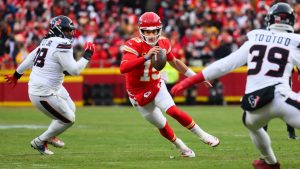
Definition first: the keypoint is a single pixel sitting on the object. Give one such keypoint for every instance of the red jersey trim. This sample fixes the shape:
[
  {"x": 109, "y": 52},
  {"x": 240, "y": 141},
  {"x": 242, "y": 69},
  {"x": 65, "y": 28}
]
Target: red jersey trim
[{"x": 64, "y": 46}]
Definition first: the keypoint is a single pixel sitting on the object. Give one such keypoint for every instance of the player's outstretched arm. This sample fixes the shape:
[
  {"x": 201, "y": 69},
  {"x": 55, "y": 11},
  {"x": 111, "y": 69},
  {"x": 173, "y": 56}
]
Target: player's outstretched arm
[
  {"x": 25, "y": 65},
  {"x": 70, "y": 65},
  {"x": 188, "y": 82},
  {"x": 215, "y": 70},
  {"x": 183, "y": 69}
]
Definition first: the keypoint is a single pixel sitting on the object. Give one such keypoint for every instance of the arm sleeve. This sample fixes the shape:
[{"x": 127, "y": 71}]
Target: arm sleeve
[
  {"x": 69, "y": 64},
  {"x": 129, "y": 62},
  {"x": 27, "y": 63},
  {"x": 227, "y": 64}
]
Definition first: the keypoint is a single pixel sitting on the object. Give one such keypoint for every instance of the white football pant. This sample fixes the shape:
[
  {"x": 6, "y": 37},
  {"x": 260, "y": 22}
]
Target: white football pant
[
  {"x": 60, "y": 108},
  {"x": 152, "y": 111},
  {"x": 283, "y": 106}
]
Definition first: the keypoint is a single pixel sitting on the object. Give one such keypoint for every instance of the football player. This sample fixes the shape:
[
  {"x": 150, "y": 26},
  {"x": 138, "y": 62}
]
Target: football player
[
  {"x": 270, "y": 56},
  {"x": 50, "y": 61},
  {"x": 147, "y": 92}
]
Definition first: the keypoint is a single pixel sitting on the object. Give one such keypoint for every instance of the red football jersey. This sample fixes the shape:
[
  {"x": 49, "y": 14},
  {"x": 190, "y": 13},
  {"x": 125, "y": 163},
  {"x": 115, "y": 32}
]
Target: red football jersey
[{"x": 144, "y": 77}]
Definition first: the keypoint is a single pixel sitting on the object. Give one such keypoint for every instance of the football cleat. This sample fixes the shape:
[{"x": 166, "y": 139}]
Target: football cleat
[
  {"x": 187, "y": 153},
  {"x": 293, "y": 136},
  {"x": 56, "y": 142},
  {"x": 261, "y": 164},
  {"x": 210, "y": 140},
  {"x": 41, "y": 146}
]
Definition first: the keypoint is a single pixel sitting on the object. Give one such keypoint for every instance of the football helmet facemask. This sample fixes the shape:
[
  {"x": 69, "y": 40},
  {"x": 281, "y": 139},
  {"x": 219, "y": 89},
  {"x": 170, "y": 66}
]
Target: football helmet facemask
[
  {"x": 61, "y": 26},
  {"x": 281, "y": 17},
  {"x": 150, "y": 21}
]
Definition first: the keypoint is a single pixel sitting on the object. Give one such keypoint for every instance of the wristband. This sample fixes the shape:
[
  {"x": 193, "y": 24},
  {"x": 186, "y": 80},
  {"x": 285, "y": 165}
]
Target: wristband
[
  {"x": 189, "y": 73},
  {"x": 146, "y": 57},
  {"x": 17, "y": 75}
]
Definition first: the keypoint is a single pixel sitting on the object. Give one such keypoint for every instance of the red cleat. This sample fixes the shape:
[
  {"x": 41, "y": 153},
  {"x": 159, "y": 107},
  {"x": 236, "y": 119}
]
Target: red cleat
[{"x": 261, "y": 164}]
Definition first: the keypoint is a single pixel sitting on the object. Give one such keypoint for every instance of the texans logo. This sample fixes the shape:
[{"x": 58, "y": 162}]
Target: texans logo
[{"x": 253, "y": 100}]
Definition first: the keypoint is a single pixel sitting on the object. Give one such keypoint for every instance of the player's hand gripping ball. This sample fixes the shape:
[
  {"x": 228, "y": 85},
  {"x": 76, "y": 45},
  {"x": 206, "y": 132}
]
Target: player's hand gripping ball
[{"x": 159, "y": 60}]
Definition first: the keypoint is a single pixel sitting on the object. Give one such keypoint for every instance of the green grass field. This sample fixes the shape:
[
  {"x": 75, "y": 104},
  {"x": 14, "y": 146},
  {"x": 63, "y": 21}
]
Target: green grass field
[{"x": 119, "y": 138}]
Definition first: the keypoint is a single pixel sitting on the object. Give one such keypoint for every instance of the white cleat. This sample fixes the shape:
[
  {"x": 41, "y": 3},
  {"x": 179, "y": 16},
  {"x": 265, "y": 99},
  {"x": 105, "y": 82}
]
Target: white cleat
[
  {"x": 56, "y": 142},
  {"x": 187, "y": 153},
  {"x": 41, "y": 146},
  {"x": 210, "y": 140}
]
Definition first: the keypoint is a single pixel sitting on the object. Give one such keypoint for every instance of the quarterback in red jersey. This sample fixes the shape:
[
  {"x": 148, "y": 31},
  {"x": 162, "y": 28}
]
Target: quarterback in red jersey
[{"x": 147, "y": 91}]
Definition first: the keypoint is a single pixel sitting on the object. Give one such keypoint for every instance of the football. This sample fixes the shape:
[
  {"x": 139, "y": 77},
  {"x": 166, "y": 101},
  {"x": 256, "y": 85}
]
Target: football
[{"x": 159, "y": 61}]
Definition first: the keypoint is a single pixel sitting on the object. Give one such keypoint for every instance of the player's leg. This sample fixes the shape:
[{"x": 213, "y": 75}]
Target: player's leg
[
  {"x": 292, "y": 115},
  {"x": 153, "y": 115},
  {"x": 255, "y": 121},
  {"x": 63, "y": 117},
  {"x": 62, "y": 93},
  {"x": 291, "y": 132},
  {"x": 165, "y": 102}
]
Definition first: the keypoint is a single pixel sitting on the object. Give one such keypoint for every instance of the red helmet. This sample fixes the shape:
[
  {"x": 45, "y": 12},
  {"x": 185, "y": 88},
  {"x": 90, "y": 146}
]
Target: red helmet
[{"x": 150, "y": 21}]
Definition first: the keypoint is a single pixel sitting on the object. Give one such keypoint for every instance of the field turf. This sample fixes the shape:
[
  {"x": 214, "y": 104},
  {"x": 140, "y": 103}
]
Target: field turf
[{"x": 118, "y": 137}]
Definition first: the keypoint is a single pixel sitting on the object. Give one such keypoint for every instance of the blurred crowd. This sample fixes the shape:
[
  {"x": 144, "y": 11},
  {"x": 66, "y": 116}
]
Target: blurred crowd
[{"x": 200, "y": 31}]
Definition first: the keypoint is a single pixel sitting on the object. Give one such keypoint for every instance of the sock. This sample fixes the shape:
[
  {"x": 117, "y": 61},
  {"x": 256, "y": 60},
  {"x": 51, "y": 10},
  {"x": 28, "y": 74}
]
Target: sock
[
  {"x": 168, "y": 132},
  {"x": 262, "y": 142},
  {"x": 179, "y": 144},
  {"x": 198, "y": 131},
  {"x": 183, "y": 118},
  {"x": 55, "y": 128}
]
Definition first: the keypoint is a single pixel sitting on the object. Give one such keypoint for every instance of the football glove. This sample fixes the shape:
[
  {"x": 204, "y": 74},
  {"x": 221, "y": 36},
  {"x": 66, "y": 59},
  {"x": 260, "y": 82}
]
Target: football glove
[
  {"x": 13, "y": 79},
  {"x": 89, "y": 49}
]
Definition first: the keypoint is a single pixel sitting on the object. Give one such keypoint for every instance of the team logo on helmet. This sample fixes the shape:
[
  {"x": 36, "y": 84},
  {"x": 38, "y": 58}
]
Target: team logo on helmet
[{"x": 57, "y": 22}]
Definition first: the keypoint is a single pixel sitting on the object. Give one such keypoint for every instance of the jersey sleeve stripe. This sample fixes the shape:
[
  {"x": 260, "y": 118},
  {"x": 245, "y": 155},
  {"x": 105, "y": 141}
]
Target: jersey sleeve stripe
[
  {"x": 129, "y": 49},
  {"x": 169, "y": 50},
  {"x": 64, "y": 46}
]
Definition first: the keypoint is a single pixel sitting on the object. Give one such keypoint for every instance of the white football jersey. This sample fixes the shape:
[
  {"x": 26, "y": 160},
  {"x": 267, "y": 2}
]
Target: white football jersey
[
  {"x": 48, "y": 62},
  {"x": 270, "y": 57}
]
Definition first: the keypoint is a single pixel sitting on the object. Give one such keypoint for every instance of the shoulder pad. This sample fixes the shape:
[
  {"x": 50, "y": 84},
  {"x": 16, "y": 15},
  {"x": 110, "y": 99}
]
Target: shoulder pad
[
  {"x": 133, "y": 45},
  {"x": 251, "y": 33},
  {"x": 61, "y": 43}
]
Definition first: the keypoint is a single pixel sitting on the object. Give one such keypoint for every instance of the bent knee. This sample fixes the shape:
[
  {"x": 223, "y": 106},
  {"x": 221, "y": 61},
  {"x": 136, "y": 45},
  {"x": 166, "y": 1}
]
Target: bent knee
[{"x": 70, "y": 119}]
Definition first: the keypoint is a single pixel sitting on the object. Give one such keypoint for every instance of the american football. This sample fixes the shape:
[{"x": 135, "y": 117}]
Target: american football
[{"x": 159, "y": 61}]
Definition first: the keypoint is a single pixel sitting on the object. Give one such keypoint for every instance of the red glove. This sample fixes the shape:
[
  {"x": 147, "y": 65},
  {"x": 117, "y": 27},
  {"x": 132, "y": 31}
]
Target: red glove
[
  {"x": 89, "y": 49},
  {"x": 188, "y": 82},
  {"x": 10, "y": 79}
]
